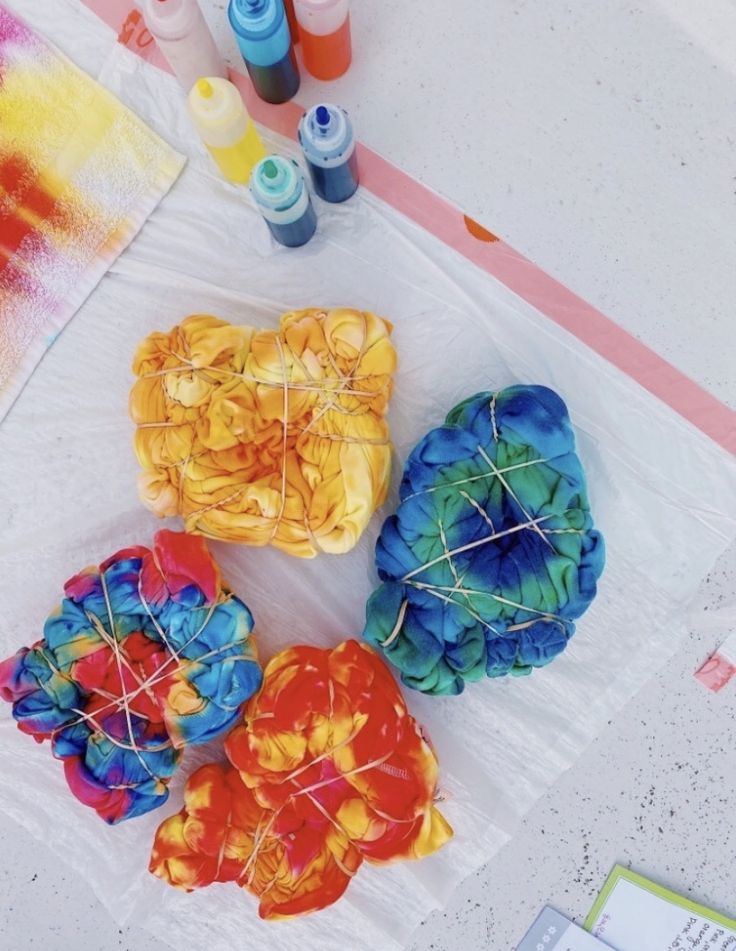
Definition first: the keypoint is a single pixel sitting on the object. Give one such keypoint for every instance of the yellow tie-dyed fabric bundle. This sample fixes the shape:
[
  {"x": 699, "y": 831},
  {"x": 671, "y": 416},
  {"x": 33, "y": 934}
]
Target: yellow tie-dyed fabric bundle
[{"x": 264, "y": 436}]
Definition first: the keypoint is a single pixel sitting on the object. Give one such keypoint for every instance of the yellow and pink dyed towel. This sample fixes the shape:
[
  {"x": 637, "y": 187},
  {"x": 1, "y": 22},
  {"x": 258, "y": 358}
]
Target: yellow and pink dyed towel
[{"x": 79, "y": 175}]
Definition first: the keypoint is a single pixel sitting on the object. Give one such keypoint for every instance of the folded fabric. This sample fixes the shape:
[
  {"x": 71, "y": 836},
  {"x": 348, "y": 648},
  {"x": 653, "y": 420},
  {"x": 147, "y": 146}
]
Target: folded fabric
[
  {"x": 264, "y": 436},
  {"x": 492, "y": 553},
  {"x": 79, "y": 174},
  {"x": 146, "y": 654},
  {"x": 327, "y": 770}
]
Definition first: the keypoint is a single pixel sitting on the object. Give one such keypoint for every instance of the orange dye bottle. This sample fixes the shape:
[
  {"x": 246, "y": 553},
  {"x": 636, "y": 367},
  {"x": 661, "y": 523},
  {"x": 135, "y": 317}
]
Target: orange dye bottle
[{"x": 324, "y": 33}]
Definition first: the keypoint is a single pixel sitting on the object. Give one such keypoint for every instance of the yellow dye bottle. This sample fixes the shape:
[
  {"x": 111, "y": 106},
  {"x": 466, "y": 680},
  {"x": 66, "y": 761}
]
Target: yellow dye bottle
[{"x": 227, "y": 130}]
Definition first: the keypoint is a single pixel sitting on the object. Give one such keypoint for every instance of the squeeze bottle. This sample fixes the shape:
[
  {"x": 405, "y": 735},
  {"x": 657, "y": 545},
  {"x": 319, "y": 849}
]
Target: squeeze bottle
[
  {"x": 184, "y": 38},
  {"x": 262, "y": 32},
  {"x": 282, "y": 197},
  {"x": 218, "y": 114},
  {"x": 324, "y": 32},
  {"x": 327, "y": 141}
]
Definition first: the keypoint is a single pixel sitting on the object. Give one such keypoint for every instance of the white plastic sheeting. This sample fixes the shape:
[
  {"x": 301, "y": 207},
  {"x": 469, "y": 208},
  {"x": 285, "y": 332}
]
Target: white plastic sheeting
[{"x": 663, "y": 494}]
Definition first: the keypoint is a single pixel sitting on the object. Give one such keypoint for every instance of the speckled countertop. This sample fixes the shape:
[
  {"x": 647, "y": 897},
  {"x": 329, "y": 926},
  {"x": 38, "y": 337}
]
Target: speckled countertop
[{"x": 598, "y": 139}]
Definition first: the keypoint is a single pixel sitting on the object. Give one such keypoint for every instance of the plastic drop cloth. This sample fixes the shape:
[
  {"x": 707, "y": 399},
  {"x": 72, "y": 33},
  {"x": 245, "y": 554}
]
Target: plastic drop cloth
[{"x": 662, "y": 493}]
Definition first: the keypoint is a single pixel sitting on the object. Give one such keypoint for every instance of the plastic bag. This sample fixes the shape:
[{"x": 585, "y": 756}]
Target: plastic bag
[{"x": 663, "y": 494}]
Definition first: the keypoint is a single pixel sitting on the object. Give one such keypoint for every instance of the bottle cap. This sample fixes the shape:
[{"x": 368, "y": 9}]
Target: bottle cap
[
  {"x": 325, "y": 133},
  {"x": 169, "y": 19},
  {"x": 276, "y": 182},
  {"x": 256, "y": 19},
  {"x": 215, "y": 103},
  {"x": 321, "y": 17},
  {"x": 317, "y": 6}
]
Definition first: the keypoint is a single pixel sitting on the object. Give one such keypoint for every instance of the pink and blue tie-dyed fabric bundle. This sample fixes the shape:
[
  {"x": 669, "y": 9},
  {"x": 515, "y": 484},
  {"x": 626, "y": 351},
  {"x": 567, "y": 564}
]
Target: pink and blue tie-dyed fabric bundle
[{"x": 146, "y": 654}]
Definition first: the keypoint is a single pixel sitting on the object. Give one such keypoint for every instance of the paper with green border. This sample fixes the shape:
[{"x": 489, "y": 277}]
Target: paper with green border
[{"x": 632, "y": 914}]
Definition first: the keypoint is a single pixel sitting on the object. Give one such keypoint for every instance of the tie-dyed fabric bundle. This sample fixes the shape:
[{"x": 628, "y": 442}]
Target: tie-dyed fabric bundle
[
  {"x": 264, "y": 436},
  {"x": 79, "y": 174},
  {"x": 327, "y": 770},
  {"x": 492, "y": 553},
  {"x": 147, "y": 653}
]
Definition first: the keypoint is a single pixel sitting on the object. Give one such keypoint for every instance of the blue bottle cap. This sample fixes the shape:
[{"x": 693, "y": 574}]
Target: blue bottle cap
[
  {"x": 256, "y": 19},
  {"x": 325, "y": 133}
]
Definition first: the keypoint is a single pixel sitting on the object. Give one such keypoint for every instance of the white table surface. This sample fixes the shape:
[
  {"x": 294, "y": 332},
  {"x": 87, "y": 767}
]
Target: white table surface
[{"x": 598, "y": 139}]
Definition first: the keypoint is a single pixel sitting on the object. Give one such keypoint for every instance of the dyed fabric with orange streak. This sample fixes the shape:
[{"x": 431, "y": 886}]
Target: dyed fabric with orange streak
[
  {"x": 328, "y": 769},
  {"x": 267, "y": 436}
]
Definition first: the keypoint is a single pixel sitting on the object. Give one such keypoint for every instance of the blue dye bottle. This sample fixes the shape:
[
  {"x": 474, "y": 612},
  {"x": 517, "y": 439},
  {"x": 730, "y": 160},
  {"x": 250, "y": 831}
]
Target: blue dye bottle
[
  {"x": 262, "y": 31},
  {"x": 327, "y": 141},
  {"x": 281, "y": 194}
]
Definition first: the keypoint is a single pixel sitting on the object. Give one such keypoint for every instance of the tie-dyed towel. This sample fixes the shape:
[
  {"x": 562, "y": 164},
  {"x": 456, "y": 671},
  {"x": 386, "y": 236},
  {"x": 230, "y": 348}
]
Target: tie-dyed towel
[{"x": 79, "y": 174}]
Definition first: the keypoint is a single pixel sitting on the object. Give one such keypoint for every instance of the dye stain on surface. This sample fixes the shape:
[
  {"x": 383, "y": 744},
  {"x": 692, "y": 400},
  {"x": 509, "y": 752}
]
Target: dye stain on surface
[{"x": 478, "y": 231}]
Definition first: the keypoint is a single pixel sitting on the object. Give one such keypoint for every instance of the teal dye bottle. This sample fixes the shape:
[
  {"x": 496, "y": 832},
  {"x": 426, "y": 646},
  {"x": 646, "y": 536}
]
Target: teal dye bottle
[{"x": 282, "y": 196}]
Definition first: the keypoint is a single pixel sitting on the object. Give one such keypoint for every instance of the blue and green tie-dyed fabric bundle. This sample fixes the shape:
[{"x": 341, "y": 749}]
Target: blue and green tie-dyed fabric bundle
[{"x": 492, "y": 554}]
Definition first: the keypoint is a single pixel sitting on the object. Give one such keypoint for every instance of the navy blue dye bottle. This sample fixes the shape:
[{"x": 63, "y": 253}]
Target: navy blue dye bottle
[
  {"x": 262, "y": 31},
  {"x": 328, "y": 143}
]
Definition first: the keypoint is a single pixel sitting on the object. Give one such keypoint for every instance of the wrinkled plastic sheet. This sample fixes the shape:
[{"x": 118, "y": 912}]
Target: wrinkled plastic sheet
[{"x": 663, "y": 494}]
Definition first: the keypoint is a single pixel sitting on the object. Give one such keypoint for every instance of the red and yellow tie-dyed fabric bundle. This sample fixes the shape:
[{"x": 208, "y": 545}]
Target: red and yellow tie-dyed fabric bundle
[
  {"x": 267, "y": 436},
  {"x": 327, "y": 770}
]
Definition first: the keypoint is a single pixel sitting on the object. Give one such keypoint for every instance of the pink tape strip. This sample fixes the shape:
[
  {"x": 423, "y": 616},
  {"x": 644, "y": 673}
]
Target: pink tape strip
[
  {"x": 716, "y": 672},
  {"x": 720, "y": 667},
  {"x": 495, "y": 257}
]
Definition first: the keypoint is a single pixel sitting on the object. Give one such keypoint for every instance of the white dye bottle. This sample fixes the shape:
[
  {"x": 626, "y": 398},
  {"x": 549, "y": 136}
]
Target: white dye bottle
[{"x": 184, "y": 38}]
